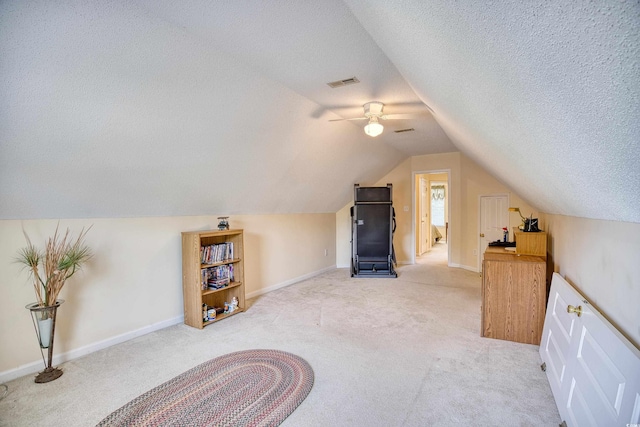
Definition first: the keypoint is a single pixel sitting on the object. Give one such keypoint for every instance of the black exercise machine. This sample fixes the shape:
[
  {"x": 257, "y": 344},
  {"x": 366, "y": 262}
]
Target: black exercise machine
[{"x": 372, "y": 225}]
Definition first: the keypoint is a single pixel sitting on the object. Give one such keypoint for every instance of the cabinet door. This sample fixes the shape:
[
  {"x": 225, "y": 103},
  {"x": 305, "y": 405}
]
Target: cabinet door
[{"x": 513, "y": 300}]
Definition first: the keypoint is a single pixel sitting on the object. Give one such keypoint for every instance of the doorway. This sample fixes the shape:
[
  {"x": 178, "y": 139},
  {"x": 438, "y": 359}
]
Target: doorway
[{"x": 431, "y": 214}]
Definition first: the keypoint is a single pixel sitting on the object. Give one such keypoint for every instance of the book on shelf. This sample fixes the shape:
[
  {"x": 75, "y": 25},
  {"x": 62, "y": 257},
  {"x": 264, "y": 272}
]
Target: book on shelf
[
  {"x": 217, "y": 277},
  {"x": 220, "y": 252}
]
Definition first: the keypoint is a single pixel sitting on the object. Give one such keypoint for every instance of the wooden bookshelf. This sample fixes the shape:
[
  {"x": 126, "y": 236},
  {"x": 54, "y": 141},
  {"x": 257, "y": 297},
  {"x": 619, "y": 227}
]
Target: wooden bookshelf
[
  {"x": 192, "y": 267},
  {"x": 211, "y": 291}
]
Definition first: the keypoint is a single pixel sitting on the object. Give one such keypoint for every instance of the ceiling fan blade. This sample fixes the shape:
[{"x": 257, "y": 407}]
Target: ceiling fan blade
[
  {"x": 400, "y": 116},
  {"x": 357, "y": 118}
]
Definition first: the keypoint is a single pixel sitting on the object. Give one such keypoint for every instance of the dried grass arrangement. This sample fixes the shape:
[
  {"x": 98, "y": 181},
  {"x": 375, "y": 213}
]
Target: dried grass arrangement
[{"x": 62, "y": 258}]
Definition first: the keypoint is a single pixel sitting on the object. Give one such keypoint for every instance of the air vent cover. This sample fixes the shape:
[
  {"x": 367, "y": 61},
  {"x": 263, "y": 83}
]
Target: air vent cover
[
  {"x": 345, "y": 82},
  {"x": 404, "y": 130}
]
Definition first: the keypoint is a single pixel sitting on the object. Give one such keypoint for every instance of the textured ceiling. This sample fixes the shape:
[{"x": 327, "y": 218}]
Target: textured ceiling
[
  {"x": 545, "y": 95},
  {"x": 152, "y": 108}
]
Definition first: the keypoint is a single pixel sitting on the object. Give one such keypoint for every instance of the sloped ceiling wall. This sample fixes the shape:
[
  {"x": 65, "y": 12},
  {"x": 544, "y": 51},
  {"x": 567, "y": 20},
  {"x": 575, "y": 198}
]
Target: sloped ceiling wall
[
  {"x": 545, "y": 95},
  {"x": 112, "y": 109},
  {"x": 108, "y": 111}
]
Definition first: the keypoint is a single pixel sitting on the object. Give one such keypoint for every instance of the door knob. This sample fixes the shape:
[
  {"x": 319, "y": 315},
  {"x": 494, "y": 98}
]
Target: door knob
[
  {"x": 577, "y": 310},
  {"x": 481, "y": 234}
]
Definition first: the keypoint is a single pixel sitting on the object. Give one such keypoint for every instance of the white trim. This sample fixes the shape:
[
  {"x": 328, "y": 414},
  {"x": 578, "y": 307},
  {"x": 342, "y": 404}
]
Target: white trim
[
  {"x": 289, "y": 282},
  {"x": 37, "y": 366},
  {"x": 465, "y": 267},
  {"x": 33, "y": 367}
]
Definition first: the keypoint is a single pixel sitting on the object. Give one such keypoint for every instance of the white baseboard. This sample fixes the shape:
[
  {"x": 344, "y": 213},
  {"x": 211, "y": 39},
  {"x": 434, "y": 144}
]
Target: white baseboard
[
  {"x": 37, "y": 366},
  {"x": 32, "y": 368},
  {"x": 288, "y": 282},
  {"x": 465, "y": 267}
]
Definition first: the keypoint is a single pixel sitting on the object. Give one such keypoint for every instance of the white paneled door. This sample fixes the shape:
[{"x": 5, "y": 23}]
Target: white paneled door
[
  {"x": 494, "y": 215},
  {"x": 593, "y": 370}
]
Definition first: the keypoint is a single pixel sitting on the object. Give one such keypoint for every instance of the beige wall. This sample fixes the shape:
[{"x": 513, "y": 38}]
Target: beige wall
[
  {"x": 476, "y": 181},
  {"x": 467, "y": 182},
  {"x": 134, "y": 279},
  {"x": 400, "y": 177},
  {"x": 602, "y": 260},
  {"x": 402, "y": 182},
  {"x": 451, "y": 163},
  {"x": 343, "y": 237}
]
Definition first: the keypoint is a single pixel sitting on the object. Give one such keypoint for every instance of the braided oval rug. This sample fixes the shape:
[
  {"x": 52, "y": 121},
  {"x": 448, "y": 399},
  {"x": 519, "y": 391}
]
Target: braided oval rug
[{"x": 246, "y": 388}]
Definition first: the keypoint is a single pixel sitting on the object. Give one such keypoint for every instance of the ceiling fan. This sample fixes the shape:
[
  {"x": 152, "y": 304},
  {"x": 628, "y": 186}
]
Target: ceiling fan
[{"x": 373, "y": 111}]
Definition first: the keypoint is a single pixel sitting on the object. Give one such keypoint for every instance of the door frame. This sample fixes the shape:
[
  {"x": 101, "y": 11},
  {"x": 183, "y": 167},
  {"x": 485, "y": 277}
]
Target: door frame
[
  {"x": 425, "y": 237},
  {"x": 479, "y": 227},
  {"x": 414, "y": 205}
]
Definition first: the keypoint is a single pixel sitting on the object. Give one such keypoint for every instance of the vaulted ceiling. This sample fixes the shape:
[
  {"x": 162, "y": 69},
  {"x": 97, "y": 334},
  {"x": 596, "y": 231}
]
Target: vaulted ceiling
[{"x": 154, "y": 108}]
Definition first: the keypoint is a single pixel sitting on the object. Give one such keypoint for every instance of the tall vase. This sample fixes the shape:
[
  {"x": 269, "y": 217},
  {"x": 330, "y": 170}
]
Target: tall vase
[{"x": 44, "y": 322}]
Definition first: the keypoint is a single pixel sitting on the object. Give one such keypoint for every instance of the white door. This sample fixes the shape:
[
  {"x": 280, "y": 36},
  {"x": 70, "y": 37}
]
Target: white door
[
  {"x": 425, "y": 230},
  {"x": 593, "y": 371},
  {"x": 494, "y": 215}
]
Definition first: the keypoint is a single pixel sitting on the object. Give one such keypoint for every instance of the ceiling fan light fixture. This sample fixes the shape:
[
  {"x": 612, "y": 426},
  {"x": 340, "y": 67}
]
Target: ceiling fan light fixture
[
  {"x": 373, "y": 109},
  {"x": 374, "y": 128}
]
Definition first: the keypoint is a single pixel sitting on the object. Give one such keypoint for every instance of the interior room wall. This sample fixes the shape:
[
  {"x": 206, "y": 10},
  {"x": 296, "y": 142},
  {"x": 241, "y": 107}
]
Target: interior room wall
[
  {"x": 343, "y": 236},
  {"x": 476, "y": 181},
  {"x": 451, "y": 163},
  {"x": 400, "y": 177},
  {"x": 600, "y": 259},
  {"x": 467, "y": 180},
  {"x": 134, "y": 280}
]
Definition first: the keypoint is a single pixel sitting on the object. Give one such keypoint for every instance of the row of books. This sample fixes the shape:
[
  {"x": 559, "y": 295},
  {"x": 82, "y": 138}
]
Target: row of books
[
  {"x": 217, "y": 277},
  {"x": 216, "y": 253}
]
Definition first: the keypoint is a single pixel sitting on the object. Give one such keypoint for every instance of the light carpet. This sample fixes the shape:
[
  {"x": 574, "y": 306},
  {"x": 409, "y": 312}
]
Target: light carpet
[{"x": 385, "y": 352}]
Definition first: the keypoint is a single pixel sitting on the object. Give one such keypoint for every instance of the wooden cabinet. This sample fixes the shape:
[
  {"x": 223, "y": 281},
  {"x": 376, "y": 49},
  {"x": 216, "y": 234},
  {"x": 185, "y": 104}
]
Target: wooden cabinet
[
  {"x": 195, "y": 273},
  {"x": 531, "y": 243},
  {"x": 514, "y": 294}
]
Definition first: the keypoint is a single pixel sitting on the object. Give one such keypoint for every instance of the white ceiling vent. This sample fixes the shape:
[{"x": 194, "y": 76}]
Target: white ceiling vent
[
  {"x": 404, "y": 130},
  {"x": 345, "y": 82}
]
